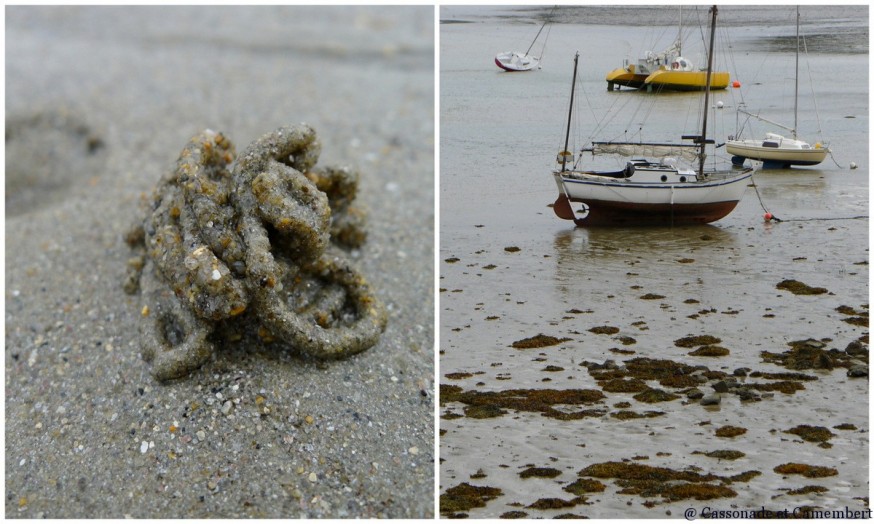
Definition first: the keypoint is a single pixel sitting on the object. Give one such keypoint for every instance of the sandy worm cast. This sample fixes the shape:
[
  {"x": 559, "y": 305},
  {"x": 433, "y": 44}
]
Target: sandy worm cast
[{"x": 253, "y": 242}]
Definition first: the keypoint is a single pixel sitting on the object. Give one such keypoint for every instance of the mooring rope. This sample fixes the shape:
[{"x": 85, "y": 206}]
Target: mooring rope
[
  {"x": 770, "y": 216},
  {"x": 832, "y": 155}
]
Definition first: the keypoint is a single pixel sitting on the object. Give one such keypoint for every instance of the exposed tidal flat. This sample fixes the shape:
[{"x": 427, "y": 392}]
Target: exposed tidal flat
[{"x": 638, "y": 372}]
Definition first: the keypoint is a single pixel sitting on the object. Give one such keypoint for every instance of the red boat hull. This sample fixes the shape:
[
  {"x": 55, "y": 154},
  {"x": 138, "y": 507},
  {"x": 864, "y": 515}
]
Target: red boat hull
[{"x": 602, "y": 213}]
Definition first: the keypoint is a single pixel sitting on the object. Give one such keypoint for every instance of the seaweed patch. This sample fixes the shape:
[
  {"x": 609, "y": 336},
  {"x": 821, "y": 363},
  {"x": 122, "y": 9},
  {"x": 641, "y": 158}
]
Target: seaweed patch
[
  {"x": 694, "y": 341},
  {"x": 806, "y": 470},
  {"x": 488, "y": 404},
  {"x": 554, "y": 503},
  {"x": 538, "y": 341},
  {"x": 722, "y": 454},
  {"x": 730, "y": 431},
  {"x": 710, "y": 351},
  {"x": 548, "y": 473},
  {"x": 811, "y": 433},
  {"x": 251, "y": 245},
  {"x": 582, "y": 485},
  {"x": 652, "y": 481},
  {"x": 812, "y": 354},
  {"x": 800, "y": 288},
  {"x": 464, "y": 497},
  {"x": 807, "y": 489},
  {"x": 653, "y": 395}
]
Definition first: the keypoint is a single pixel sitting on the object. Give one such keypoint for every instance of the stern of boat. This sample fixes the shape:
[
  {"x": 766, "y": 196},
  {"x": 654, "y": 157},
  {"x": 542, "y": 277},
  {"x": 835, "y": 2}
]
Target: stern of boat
[{"x": 562, "y": 205}]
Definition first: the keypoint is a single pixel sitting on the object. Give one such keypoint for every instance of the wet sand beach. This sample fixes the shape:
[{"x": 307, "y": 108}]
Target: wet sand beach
[
  {"x": 646, "y": 372},
  {"x": 100, "y": 102}
]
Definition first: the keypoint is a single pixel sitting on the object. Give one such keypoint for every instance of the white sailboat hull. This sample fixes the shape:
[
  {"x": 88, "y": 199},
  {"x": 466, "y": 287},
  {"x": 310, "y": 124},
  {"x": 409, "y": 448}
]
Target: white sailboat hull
[
  {"x": 515, "y": 61},
  {"x": 644, "y": 199},
  {"x": 776, "y": 149}
]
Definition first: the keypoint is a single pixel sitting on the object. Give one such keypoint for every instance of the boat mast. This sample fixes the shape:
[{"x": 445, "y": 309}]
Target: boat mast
[
  {"x": 570, "y": 112},
  {"x": 797, "y": 52},
  {"x": 703, "y": 139},
  {"x": 538, "y": 32}
]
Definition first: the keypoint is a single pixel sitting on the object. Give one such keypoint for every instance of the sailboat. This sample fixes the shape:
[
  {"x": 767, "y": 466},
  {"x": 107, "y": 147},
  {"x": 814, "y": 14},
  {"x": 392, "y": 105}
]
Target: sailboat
[
  {"x": 516, "y": 61},
  {"x": 666, "y": 71},
  {"x": 647, "y": 192},
  {"x": 777, "y": 151}
]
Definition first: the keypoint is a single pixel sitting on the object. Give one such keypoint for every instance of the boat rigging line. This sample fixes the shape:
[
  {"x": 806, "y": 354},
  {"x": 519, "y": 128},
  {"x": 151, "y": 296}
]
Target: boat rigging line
[
  {"x": 768, "y": 216},
  {"x": 546, "y": 23}
]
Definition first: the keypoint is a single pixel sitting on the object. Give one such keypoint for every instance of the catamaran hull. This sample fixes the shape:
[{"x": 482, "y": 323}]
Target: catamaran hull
[
  {"x": 621, "y": 204},
  {"x": 622, "y": 77},
  {"x": 669, "y": 80},
  {"x": 775, "y": 155}
]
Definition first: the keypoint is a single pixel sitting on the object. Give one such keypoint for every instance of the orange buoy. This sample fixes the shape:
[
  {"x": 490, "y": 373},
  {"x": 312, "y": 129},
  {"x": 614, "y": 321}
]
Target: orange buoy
[
  {"x": 768, "y": 217},
  {"x": 735, "y": 84}
]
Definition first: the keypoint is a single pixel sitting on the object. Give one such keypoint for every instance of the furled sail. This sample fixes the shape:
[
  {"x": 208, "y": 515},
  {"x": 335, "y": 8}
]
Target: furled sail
[
  {"x": 687, "y": 152},
  {"x": 665, "y": 57}
]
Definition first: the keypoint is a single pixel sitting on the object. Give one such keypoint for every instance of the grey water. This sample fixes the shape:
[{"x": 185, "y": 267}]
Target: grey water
[{"x": 499, "y": 135}]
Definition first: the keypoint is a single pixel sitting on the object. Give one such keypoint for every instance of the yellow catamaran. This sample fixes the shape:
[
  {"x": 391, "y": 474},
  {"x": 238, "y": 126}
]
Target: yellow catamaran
[{"x": 666, "y": 71}]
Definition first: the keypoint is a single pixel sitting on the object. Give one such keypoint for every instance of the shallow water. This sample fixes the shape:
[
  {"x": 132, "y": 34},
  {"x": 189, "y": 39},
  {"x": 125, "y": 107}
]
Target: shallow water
[{"x": 499, "y": 136}]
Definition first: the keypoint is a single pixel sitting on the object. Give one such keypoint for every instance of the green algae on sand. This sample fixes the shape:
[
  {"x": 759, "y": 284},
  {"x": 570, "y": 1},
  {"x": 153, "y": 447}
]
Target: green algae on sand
[
  {"x": 604, "y": 330},
  {"x": 582, "y": 486},
  {"x": 783, "y": 386},
  {"x": 692, "y": 341},
  {"x": 652, "y": 481},
  {"x": 800, "y": 288},
  {"x": 486, "y": 404},
  {"x": 807, "y": 489},
  {"x": 631, "y": 471},
  {"x": 619, "y": 385},
  {"x": 484, "y": 412},
  {"x": 711, "y": 350},
  {"x": 449, "y": 393},
  {"x": 811, "y": 433},
  {"x": 538, "y": 341},
  {"x": 812, "y": 354},
  {"x": 854, "y": 317},
  {"x": 631, "y": 415},
  {"x": 730, "y": 431},
  {"x": 806, "y": 470},
  {"x": 722, "y": 454},
  {"x": 653, "y": 395},
  {"x": 548, "y": 473},
  {"x": 555, "y": 503},
  {"x": 465, "y": 497}
]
